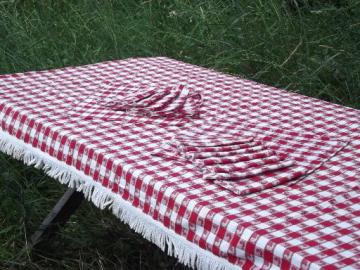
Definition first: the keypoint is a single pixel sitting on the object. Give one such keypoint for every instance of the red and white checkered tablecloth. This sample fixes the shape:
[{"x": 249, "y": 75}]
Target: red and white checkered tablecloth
[{"x": 309, "y": 223}]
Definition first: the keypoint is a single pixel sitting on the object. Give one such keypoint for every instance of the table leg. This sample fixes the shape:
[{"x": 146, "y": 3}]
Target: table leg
[{"x": 58, "y": 216}]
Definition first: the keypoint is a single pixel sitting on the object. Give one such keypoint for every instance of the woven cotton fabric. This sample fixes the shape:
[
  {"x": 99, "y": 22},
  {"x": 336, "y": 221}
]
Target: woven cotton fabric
[
  {"x": 310, "y": 223},
  {"x": 251, "y": 161},
  {"x": 172, "y": 105}
]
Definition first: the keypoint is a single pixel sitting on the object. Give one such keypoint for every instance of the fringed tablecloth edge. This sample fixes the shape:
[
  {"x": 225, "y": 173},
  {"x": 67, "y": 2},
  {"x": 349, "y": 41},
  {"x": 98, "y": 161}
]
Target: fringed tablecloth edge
[{"x": 177, "y": 246}]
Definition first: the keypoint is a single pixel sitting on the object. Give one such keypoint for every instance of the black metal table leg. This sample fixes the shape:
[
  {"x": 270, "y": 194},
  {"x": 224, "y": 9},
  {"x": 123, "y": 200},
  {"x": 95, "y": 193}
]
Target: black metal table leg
[
  {"x": 56, "y": 219},
  {"x": 58, "y": 216}
]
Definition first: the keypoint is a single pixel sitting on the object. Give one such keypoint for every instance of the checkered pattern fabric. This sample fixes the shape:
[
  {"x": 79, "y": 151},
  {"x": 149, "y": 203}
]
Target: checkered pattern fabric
[
  {"x": 312, "y": 223},
  {"x": 259, "y": 160},
  {"x": 173, "y": 105}
]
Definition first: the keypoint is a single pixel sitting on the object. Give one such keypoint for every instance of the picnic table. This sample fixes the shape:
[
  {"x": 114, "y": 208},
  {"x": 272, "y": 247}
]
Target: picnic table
[{"x": 180, "y": 177}]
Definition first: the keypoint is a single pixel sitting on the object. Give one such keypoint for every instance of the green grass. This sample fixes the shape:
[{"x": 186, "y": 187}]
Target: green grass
[{"x": 299, "y": 45}]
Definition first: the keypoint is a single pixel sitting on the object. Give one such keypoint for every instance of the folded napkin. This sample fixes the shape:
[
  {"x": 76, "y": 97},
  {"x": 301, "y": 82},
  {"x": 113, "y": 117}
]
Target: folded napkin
[
  {"x": 247, "y": 164},
  {"x": 179, "y": 101},
  {"x": 306, "y": 151},
  {"x": 173, "y": 105}
]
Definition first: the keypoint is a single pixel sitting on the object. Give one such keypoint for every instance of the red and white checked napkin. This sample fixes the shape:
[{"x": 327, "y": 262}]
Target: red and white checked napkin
[
  {"x": 173, "y": 103},
  {"x": 247, "y": 164}
]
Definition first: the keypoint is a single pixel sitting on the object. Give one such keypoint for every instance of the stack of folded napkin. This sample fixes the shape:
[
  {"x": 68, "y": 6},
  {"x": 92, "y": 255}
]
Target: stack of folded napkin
[
  {"x": 247, "y": 164},
  {"x": 117, "y": 101},
  {"x": 225, "y": 158},
  {"x": 179, "y": 101}
]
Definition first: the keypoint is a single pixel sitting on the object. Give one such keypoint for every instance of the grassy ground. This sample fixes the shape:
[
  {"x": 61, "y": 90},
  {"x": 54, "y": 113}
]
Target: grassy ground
[{"x": 299, "y": 45}]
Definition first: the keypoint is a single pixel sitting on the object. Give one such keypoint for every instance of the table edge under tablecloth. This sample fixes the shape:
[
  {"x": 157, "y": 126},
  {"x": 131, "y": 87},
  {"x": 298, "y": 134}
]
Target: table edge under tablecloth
[
  {"x": 97, "y": 199},
  {"x": 154, "y": 231},
  {"x": 101, "y": 200}
]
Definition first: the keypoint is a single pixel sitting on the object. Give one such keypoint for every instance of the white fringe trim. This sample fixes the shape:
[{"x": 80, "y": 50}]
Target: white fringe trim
[{"x": 186, "y": 252}]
